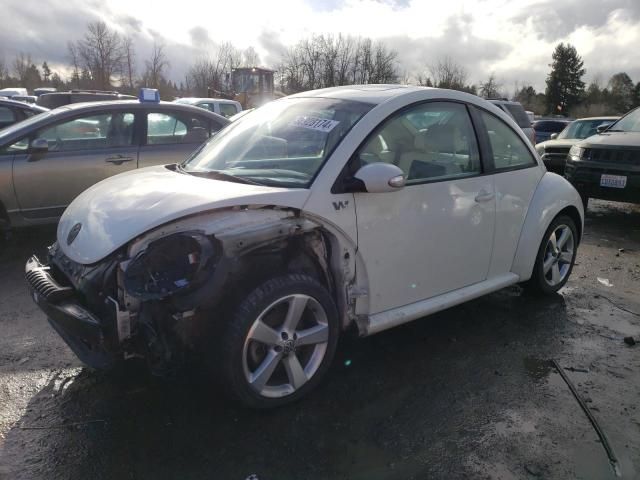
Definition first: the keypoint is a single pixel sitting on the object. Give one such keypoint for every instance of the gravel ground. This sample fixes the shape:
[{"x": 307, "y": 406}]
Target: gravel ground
[{"x": 468, "y": 393}]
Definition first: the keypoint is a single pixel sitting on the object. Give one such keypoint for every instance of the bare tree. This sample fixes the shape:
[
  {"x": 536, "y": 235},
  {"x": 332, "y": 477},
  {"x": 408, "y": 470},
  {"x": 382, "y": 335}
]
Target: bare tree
[
  {"x": 490, "y": 88},
  {"x": 156, "y": 65},
  {"x": 446, "y": 73},
  {"x": 212, "y": 73},
  {"x": 128, "y": 62},
  {"x": 75, "y": 62},
  {"x": 21, "y": 65},
  {"x": 327, "y": 61},
  {"x": 250, "y": 58},
  {"x": 100, "y": 53}
]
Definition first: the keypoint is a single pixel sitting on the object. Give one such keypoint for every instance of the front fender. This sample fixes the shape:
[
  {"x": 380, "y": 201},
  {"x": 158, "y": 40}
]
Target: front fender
[{"x": 552, "y": 195}]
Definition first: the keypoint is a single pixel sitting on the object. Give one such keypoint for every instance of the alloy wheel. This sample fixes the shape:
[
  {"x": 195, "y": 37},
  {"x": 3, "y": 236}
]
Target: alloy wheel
[
  {"x": 285, "y": 345},
  {"x": 558, "y": 255}
]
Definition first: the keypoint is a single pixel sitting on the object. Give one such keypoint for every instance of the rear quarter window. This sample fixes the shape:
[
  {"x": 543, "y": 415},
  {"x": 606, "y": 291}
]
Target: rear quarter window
[{"x": 519, "y": 115}]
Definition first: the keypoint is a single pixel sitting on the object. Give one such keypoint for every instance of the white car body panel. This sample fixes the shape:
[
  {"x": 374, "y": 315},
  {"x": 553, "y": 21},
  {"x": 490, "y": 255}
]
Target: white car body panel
[
  {"x": 553, "y": 194},
  {"x": 425, "y": 240},
  {"x": 514, "y": 191},
  {"x": 120, "y": 208}
]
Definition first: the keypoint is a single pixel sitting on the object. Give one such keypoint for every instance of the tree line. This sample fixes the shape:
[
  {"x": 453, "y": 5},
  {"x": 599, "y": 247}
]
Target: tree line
[{"x": 103, "y": 59}]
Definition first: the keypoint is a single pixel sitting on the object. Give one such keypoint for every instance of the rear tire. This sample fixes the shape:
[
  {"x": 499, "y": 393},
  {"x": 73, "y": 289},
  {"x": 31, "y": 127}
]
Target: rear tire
[
  {"x": 280, "y": 342},
  {"x": 556, "y": 256}
]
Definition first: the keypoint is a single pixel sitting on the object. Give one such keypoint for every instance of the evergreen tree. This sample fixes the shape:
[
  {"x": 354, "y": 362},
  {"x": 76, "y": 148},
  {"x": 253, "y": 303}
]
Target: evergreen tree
[
  {"x": 565, "y": 87},
  {"x": 46, "y": 73}
]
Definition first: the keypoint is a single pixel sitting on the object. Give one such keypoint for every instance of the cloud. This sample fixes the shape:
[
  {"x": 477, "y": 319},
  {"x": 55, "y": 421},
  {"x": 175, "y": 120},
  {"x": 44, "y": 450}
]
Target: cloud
[{"x": 553, "y": 20}]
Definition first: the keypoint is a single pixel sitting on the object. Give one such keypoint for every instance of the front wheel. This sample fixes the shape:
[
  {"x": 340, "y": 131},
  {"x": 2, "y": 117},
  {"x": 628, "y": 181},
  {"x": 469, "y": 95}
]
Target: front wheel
[
  {"x": 556, "y": 256},
  {"x": 280, "y": 342}
]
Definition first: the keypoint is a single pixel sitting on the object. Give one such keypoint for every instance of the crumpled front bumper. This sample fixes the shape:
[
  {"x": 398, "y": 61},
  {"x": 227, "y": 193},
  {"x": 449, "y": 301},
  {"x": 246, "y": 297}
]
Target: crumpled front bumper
[{"x": 78, "y": 327}]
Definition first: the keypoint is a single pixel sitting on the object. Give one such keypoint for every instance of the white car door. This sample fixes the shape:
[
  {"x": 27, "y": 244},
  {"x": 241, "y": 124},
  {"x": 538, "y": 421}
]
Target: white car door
[
  {"x": 516, "y": 176},
  {"x": 436, "y": 234}
]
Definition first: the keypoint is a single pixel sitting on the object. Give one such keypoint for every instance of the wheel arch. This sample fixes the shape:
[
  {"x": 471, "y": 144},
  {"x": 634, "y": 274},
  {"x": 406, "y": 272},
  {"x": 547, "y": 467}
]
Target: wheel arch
[{"x": 553, "y": 196}]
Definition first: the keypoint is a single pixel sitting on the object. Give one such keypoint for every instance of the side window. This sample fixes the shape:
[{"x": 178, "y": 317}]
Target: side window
[
  {"x": 431, "y": 141},
  {"x": 106, "y": 130},
  {"x": 20, "y": 146},
  {"x": 509, "y": 150},
  {"x": 7, "y": 116},
  {"x": 163, "y": 128},
  {"x": 228, "y": 109}
]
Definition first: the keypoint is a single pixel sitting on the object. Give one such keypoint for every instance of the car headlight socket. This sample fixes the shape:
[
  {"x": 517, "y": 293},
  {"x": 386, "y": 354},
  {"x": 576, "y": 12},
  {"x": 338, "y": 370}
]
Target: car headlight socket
[
  {"x": 173, "y": 264},
  {"x": 575, "y": 153}
]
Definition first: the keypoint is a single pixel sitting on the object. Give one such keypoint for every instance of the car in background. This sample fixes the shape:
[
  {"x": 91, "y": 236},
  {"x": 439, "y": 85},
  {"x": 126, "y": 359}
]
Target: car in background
[
  {"x": 25, "y": 98},
  {"x": 317, "y": 213},
  {"x": 554, "y": 151},
  {"x": 12, "y": 111},
  {"x": 607, "y": 165},
  {"x": 47, "y": 160},
  {"x": 58, "y": 99},
  {"x": 517, "y": 112},
  {"x": 41, "y": 90},
  {"x": 544, "y": 128},
  {"x": 12, "y": 91},
  {"x": 221, "y": 106}
]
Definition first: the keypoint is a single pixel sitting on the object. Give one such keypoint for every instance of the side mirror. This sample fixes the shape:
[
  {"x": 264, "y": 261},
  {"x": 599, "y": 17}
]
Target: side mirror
[
  {"x": 40, "y": 145},
  {"x": 602, "y": 127},
  {"x": 381, "y": 177},
  {"x": 553, "y": 136}
]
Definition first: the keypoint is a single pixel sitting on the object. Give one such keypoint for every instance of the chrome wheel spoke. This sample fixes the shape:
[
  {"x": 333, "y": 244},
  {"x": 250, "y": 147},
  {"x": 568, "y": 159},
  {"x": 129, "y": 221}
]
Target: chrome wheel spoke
[
  {"x": 548, "y": 263},
  {"x": 555, "y": 274},
  {"x": 566, "y": 257},
  {"x": 297, "y": 305},
  {"x": 263, "y": 373},
  {"x": 294, "y": 370},
  {"x": 553, "y": 241},
  {"x": 263, "y": 333},
  {"x": 566, "y": 234},
  {"x": 313, "y": 335}
]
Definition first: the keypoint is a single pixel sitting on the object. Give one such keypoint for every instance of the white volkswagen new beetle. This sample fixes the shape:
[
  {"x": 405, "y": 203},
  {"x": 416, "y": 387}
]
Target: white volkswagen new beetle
[{"x": 366, "y": 206}]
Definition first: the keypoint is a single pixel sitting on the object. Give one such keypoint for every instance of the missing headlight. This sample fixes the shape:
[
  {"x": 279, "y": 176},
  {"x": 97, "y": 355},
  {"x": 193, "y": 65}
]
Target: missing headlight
[{"x": 170, "y": 265}]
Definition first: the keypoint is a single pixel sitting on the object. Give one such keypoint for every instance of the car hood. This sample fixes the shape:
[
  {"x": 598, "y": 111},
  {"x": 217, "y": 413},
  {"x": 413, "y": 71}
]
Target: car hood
[
  {"x": 111, "y": 213},
  {"x": 562, "y": 143},
  {"x": 622, "y": 140}
]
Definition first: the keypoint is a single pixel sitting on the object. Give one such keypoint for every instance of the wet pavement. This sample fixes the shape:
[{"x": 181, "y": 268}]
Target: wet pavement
[{"x": 467, "y": 393}]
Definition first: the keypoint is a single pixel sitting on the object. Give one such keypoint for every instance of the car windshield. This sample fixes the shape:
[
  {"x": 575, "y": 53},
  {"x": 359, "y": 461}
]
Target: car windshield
[
  {"x": 283, "y": 143},
  {"x": 628, "y": 123},
  {"x": 24, "y": 123},
  {"x": 582, "y": 129}
]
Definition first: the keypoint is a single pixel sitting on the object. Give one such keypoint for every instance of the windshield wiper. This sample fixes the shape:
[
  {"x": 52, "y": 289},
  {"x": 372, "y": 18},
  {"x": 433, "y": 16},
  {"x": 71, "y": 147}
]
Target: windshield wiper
[
  {"x": 613, "y": 130},
  {"x": 220, "y": 175}
]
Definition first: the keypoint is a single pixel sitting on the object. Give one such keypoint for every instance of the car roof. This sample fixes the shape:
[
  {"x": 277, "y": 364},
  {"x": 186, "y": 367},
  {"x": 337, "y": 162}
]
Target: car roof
[
  {"x": 17, "y": 103},
  {"x": 373, "y": 93},
  {"x": 204, "y": 99},
  {"x": 135, "y": 104},
  {"x": 598, "y": 118}
]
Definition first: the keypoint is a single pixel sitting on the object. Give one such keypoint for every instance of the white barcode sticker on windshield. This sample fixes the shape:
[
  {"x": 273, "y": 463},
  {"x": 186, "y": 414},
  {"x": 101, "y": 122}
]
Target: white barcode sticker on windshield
[{"x": 315, "y": 123}]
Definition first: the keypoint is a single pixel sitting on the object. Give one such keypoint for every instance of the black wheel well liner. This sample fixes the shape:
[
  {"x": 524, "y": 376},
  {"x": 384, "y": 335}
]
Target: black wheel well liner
[{"x": 291, "y": 255}]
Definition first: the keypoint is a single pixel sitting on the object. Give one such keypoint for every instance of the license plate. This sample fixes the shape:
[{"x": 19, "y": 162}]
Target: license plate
[{"x": 614, "y": 181}]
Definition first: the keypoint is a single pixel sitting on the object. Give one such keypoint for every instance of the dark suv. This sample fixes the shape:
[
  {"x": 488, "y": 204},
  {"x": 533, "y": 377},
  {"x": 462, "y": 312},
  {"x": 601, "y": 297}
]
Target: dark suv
[{"x": 607, "y": 165}]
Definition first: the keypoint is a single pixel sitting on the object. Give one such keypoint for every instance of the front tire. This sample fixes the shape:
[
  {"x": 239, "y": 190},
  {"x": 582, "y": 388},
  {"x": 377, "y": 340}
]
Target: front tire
[
  {"x": 280, "y": 342},
  {"x": 556, "y": 256}
]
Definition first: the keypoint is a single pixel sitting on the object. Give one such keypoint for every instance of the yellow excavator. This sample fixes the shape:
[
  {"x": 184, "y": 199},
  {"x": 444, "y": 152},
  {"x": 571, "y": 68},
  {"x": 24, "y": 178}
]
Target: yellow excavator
[{"x": 251, "y": 86}]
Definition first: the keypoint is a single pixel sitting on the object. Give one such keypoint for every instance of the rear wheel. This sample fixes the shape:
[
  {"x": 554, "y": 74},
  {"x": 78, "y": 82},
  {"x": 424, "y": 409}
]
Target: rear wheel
[
  {"x": 556, "y": 256},
  {"x": 280, "y": 342}
]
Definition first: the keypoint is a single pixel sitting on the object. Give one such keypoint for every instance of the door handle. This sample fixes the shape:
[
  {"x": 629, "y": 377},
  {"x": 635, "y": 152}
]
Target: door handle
[
  {"x": 118, "y": 159},
  {"x": 484, "y": 196}
]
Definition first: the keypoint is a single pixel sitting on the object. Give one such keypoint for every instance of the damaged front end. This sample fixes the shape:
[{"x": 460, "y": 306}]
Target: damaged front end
[{"x": 165, "y": 292}]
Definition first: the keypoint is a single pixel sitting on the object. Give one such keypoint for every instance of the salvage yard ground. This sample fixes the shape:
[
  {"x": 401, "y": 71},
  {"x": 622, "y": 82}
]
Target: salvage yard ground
[{"x": 469, "y": 393}]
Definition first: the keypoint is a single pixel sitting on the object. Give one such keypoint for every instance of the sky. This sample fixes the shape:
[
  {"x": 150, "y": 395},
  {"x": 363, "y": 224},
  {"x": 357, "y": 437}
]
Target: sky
[{"x": 513, "y": 39}]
